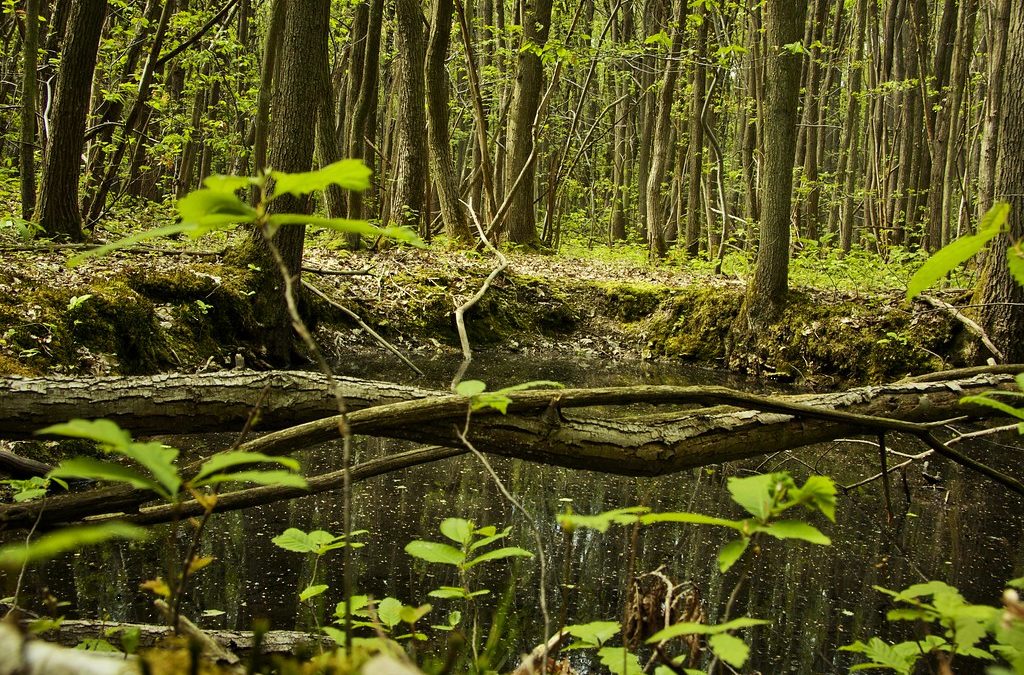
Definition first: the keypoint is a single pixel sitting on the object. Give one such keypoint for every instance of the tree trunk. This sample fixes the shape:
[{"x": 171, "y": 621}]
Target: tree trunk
[
  {"x": 303, "y": 48},
  {"x": 442, "y": 168},
  {"x": 656, "y": 225},
  {"x": 1002, "y": 315},
  {"x": 27, "y": 156},
  {"x": 521, "y": 222},
  {"x": 1000, "y": 13},
  {"x": 408, "y": 198},
  {"x": 784, "y": 22},
  {"x": 57, "y": 208},
  {"x": 696, "y": 145}
]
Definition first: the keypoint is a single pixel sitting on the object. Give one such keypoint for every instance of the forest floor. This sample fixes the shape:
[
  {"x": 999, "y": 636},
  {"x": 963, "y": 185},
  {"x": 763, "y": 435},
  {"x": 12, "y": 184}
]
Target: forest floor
[{"x": 179, "y": 308}]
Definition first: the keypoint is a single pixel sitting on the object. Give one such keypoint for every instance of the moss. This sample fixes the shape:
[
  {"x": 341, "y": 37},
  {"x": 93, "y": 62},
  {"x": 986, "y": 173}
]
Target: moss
[
  {"x": 630, "y": 302},
  {"x": 694, "y": 324}
]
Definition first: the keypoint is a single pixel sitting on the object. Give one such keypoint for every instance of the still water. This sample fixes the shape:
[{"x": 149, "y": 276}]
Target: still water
[{"x": 964, "y": 530}]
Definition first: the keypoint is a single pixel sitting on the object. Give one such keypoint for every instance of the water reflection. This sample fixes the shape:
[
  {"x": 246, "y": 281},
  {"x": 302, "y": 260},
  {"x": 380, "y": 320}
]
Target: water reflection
[{"x": 967, "y": 531}]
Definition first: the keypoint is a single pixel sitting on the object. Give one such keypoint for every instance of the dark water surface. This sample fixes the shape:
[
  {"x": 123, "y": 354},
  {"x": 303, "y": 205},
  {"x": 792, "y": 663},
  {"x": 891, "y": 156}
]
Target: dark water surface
[{"x": 967, "y": 531}]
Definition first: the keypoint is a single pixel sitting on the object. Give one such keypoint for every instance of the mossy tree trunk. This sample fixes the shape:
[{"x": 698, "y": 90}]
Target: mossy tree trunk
[
  {"x": 57, "y": 208},
  {"x": 303, "y": 46},
  {"x": 27, "y": 167}
]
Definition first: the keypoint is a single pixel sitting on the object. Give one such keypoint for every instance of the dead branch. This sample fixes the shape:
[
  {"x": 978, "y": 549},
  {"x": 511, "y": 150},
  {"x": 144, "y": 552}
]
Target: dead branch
[{"x": 972, "y": 327}]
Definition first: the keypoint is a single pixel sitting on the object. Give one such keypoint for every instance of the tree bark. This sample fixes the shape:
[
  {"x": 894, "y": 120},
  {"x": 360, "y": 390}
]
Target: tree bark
[
  {"x": 57, "y": 207},
  {"x": 27, "y": 156},
  {"x": 408, "y": 199},
  {"x": 303, "y": 46},
  {"x": 521, "y": 222},
  {"x": 1002, "y": 314},
  {"x": 442, "y": 168},
  {"x": 784, "y": 23},
  {"x": 696, "y": 145}
]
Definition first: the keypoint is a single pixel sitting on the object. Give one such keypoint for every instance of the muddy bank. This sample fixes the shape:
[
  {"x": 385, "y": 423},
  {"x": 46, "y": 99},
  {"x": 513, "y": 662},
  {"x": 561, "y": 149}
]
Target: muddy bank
[{"x": 143, "y": 313}]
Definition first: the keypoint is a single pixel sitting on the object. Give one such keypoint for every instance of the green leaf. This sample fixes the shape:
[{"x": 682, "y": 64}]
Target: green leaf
[
  {"x": 794, "y": 48},
  {"x": 755, "y": 493},
  {"x": 411, "y": 615},
  {"x": 795, "y": 529},
  {"x": 480, "y": 543},
  {"x": 337, "y": 635},
  {"x": 204, "y": 211},
  {"x": 294, "y": 539},
  {"x": 1015, "y": 261},
  {"x": 54, "y": 544},
  {"x": 221, "y": 183},
  {"x": 1016, "y": 583},
  {"x": 732, "y": 552},
  {"x": 97, "y": 469},
  {"x": 820, "y": 492},
  {"x": 619, "y": 661},
  {"x": 730, "y": 649},
  {"x": 595, "y": 633},
  {"x": 689, "y": 628},
  {"x": 435, "y": 552},
  {"x": 602, "y": 521},
  {"x": 959, "y": 251},
  {"x": 226, "y": 460},
  {"x": 470, "y": 388},
  {"x": 156, "y": 232},
  {"x": 499, "y": 554},
  {"x": 350, "y": 174},
  {"x": 158, "y": 459},
  {"x": 990, "y": 402},
  {"x": 282, "y": 478},
  {"x": 101, "y": 431},
  {"x": 361, "y": 227},
  {"x": 389, "y": 611},
  {"x": 312, "y": 592},
  {"x": 499, "y": 402},
  {"x": 458, "y": 530},
  {"x": 695, "y": 518}
]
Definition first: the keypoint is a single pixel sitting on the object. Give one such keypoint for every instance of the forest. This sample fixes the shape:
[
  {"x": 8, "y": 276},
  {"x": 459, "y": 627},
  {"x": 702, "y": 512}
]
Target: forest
[{"x": 511, "y": 336}]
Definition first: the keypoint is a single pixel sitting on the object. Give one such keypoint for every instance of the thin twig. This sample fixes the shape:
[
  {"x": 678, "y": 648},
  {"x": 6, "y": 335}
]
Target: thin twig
[{"x": 362, "y": 324}]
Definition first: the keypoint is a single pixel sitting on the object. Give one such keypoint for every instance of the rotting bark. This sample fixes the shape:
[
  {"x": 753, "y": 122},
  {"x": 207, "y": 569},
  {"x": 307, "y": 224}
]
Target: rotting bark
[{"x": 539, "y": 428}]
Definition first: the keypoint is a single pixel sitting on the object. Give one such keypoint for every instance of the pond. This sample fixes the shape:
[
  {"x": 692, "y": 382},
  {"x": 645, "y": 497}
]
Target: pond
[{"x": 963, "y": 530}]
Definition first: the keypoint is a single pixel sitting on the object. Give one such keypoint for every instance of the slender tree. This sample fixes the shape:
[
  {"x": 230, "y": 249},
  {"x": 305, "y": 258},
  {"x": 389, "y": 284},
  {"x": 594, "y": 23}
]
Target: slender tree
[
  {"x": 409, "y": 196},
  {"x": 57, "y": 207},
  {"x": 784, "y": 23},
  {"x": 27, "y": 164}
]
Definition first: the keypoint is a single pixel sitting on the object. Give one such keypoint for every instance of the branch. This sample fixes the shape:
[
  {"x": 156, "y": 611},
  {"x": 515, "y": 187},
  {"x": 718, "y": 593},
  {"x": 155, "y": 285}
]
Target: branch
[{"x": 972, "y": 327}]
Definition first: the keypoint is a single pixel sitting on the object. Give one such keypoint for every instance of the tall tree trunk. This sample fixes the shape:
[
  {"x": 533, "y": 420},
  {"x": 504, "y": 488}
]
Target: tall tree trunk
[
  {"x": 1000, "y": 19},
  {"x": 301, "y": 54},
  {"x": 696, "y": 145},
  {"x": 1002, "y": 313},
  {"x": 656, "y": 225},
  {"x": 408, "y": 197},
  {"x": 363, "y": 106},
  {"x": 848, "y": 164},
  {"x": 442, "y": 168},
  {"x": 784, "y": 23},
  {"x": 57, "y": 208},
  {"x": 27, "y": 156},
  {"x": 521, "y": 222}
]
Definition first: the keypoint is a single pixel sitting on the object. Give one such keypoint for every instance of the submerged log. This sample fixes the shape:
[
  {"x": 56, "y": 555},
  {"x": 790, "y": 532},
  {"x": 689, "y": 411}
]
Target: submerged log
[{"x": 540, "y": 427}]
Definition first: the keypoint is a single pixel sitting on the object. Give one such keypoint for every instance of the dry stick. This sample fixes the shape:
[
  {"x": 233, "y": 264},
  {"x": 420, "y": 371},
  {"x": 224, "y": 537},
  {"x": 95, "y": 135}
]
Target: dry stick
[
  {"x": 210, "y": 646},
  {"x": 24, "y": 565},
  {"x": 362, "y": 324},
  {"x": 972, "y": 327},
  {"x": 460, "y": 311},
  {"x": 199, "y": 34},
  {"x": 43, "y": 248},
  {"x": 259, "y": 496},
  {"x": 336, "y": 273},
  {"x": 963, "y": 373}
]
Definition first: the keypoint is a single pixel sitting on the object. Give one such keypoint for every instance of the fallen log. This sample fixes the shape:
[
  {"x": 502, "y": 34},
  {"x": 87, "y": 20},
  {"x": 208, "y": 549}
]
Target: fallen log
[
  {"x": 73, "y": 631},
  {"x": 540, "y": 427},
  {"x": 183, "y": 403}
]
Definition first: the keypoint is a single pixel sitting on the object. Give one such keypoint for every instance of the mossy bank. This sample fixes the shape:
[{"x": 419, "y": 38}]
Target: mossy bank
[{"x": 144, "y": 315}]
